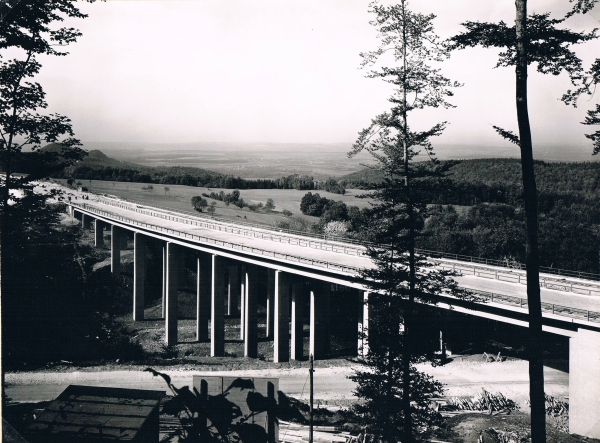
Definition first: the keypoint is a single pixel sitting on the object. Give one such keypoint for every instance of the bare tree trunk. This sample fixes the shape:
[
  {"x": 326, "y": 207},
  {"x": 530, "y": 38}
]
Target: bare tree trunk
[
  {"x": 535, "y": 352},
  {"x": 407, "y": 351}
]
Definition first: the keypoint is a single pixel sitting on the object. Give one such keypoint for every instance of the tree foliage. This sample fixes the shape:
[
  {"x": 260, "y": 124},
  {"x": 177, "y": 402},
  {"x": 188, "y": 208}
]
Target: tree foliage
[
  {"x": 41, "y": 271},
  {"x": 396, "y": 219},
  {"x": 534, "y": 39},
  {"x": 29, "y": 29}
]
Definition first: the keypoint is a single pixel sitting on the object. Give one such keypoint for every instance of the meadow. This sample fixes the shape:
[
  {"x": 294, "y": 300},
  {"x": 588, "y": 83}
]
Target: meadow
[{"x": 179, "y": 198}]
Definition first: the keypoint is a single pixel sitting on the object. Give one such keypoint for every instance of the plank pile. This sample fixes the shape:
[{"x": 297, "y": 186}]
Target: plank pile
[
  {"x": 485, "y": 401},
  {"x": 296, "y": 433}
]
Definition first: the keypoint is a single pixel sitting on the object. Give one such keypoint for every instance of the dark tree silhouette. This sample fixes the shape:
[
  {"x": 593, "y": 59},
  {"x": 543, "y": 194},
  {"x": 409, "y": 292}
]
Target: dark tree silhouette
[
  {"x": 395, "y": 393},
  {"x": 534, "y": 39}
]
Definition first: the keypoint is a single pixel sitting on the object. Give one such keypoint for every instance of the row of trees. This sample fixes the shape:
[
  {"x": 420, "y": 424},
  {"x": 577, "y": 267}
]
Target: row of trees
[
  {"x": 476, "y": 181},
  {"x": 569, "y": 231},
  {"x": 199, "y": 203},
  {"x": 188, "y": 177}
]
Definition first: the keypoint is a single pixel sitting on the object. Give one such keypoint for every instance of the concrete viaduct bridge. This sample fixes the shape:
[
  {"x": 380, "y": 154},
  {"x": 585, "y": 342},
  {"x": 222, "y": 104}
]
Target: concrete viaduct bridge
[{"x": 229, "y": 257}]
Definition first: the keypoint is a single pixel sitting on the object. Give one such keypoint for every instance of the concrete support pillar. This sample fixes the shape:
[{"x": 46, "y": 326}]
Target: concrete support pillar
[
  {"x": 363, "y": 322},
  {"x": 99, "y": 234},
  {"x": 86, "y": 221},
  {"x": 217, "y": 330},
  {"x": 270, "y": 301},
  {"x": 164, "y": 280},
  {"x": 203, "y": 290},
  {"x": 319, "y": 319},
  {"x": 250, "y": 294},
  {"x": 243, "y": 298},
  {"x": 584, "y": 383},
  {"x": 281, "y": 330},
  {"x": 174, "y": 262},
  {"x": 233, "y": 290},
  {"x": 139, "y": 275},
  {"x": 297, "y": 321},
  {"x": 116, "y": 234},
  {"x": 124, "y": 240}
]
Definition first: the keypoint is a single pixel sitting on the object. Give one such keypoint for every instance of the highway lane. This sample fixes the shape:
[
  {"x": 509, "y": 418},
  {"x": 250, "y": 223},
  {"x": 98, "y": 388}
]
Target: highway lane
[
  {"x": 579, "y": 301},
  {"x": 569, "y": 299}
]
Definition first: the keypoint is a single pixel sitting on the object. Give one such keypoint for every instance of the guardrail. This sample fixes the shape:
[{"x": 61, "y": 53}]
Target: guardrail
[
  {"x": 517, "y": 276},
  {"x": 257, "y": 226},
  {"x": 506, "y": 264},
  {"x": 270, "y": 234},
  {"x": 582, "y": 314},
  {"x": 433, "y": 254},
  {"x": 233, "y": 246},
  {"x": 590, "y": 316},
  {"x": 235, "y": 229}
]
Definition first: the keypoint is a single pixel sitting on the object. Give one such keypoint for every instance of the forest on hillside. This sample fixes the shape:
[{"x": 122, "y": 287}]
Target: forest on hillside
[{"x": 477, "y": 210}]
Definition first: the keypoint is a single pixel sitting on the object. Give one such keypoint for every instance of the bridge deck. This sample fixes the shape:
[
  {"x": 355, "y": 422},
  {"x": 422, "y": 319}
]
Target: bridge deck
[{"x": 348, "y": 258}]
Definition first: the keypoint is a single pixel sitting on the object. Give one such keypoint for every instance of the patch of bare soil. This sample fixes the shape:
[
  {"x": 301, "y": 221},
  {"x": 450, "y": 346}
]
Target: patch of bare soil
[{"x": 485, "y": 428}]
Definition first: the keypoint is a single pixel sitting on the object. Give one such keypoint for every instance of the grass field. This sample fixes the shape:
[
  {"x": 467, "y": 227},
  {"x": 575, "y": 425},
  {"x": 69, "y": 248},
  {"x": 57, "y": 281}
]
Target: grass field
[{"x": 179, "y": 198}]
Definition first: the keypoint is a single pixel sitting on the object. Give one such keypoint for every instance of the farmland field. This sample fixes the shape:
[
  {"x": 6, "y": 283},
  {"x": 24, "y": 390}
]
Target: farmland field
[{"x": 179, "y": 198}]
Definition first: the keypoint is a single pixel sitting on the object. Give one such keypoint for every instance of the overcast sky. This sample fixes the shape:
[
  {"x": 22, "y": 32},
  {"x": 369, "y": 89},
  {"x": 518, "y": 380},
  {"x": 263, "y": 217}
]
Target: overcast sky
[{"x": 280, "y": 71}]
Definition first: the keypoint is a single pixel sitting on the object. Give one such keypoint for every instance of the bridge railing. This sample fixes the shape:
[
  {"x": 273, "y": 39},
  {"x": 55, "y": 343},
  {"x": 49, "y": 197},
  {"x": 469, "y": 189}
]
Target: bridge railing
[
  {"x": 590, "y": 316},
  {"x": 508, "y": 264},
  {"x": 433, "y": 254},
  {"x": 586, "y": 287},
  {"x": 564, "y": 311},
  {"x": 256, "y": 225},
  {"x": 225, "y": 244},
  {"x": 250, "y": 232}
]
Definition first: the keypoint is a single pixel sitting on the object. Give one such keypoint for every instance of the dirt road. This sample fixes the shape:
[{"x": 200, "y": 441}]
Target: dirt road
[{"x": 460, "y": 378}]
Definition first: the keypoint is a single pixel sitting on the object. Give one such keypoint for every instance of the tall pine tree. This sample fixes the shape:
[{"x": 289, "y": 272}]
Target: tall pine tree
[
  {"x": 395, "y": 394},
  {"x": 541, "y": 40}
]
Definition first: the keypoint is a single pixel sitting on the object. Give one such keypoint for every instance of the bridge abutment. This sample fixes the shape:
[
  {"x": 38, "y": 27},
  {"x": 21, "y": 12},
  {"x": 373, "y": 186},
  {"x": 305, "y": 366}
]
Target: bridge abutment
[{"x": 584, "y": 383}]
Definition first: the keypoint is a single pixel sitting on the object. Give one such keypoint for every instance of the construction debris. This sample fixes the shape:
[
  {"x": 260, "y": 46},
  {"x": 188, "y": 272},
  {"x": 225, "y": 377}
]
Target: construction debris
[
  {"x": 297, "y": 433},
  {"x": 485, "y": 401},
  {"x": 555, "y": 407},
  {"x": 490, "y": 358}
]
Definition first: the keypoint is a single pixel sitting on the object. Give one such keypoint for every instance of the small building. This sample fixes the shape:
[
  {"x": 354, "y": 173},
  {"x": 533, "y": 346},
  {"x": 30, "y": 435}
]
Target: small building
[{"x": 96, "y": 414}]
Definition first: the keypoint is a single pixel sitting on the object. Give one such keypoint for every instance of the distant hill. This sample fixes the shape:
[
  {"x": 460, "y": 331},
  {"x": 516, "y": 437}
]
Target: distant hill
[{"x": 499, "y": 180}]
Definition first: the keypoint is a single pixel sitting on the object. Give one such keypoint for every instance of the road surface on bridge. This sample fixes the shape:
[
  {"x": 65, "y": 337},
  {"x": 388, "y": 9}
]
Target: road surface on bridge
[
  {"x": 579, "y": 301},
  {"x": 272, "y": 241}
]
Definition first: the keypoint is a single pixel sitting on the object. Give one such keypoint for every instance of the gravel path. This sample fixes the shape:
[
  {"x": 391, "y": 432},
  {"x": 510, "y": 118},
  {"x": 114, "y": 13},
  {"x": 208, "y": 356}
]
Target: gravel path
[{"x": 460, "y": 378}]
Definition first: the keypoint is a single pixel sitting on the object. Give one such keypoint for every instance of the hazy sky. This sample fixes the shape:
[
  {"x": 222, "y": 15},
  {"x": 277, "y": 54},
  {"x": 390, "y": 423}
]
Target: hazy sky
[{"x": 280, "y": 71}]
